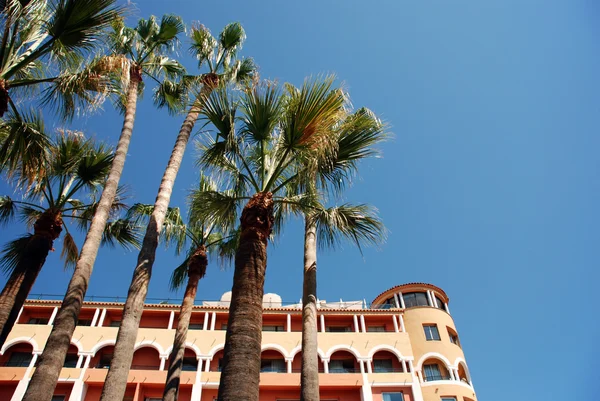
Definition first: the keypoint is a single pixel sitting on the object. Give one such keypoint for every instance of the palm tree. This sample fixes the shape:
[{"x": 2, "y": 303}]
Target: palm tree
[
  {"x": 140, "y": 51},
  {"x": 260, "y": 158},
  {"x": 202, "y": 237},
  {"x": 218, "y": 56},
  {"x": 355, "y": 135},
  {"x": 42, "y": 47},
  {"x": 76, "y": 166}
]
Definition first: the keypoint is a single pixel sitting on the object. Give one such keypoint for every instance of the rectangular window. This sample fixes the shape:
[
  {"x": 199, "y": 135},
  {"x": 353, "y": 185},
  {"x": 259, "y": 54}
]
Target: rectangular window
[
  {"x": 415, "y": 299},
  {"x": 104, "y": 361},
  {"x": 341, "y": 366},
  {"x": 376, "y": 329},
  {"x": 448, "y": 398},
  {"x": 38, "y": 320},
  {"x": 115, "y": 323},
  {"x": 190, "y": 364},
  {"x": 272, "y": 366},
  {"x": 71, "y": 361},
  {"x": 58, "y": 397},
  {"x": 393, "y": 397},
  {"x": 431, "y": 332},
  {"x": 84, "y": 322},
  {"x": 453, "y": 337},
  {"x": 224, "y": 326},
  {"x": 440, "y": 303},
  {"x": 19, "y": 359},
  {"x": 273, "y": 328},
  {"x": 338, "y": 329},
  {"x": 383, "y": 366},
  {"x": 196, "y": 326}
]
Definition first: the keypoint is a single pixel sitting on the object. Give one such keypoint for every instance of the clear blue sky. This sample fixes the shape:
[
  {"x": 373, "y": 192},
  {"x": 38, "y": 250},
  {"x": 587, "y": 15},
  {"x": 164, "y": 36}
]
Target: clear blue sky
[{"x": 490, "y": 189}]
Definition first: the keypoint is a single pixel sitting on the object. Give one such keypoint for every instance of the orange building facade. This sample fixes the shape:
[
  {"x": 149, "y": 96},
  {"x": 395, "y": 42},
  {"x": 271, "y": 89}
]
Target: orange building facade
[{"x": 403, "y": 347}]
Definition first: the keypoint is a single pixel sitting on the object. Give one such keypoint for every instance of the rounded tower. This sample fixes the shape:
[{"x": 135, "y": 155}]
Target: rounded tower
[{"x": 439, "y": 361}]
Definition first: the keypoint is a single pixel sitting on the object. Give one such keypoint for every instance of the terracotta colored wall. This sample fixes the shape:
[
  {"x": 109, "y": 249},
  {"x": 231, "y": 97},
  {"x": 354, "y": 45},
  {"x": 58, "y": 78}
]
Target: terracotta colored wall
[
  {"x": 155, "y": 320},
  {"x": 214, "y": 364},
  {"x": 146, "y": 357},
  {"x": 345, "y": 320},
  {"x": 385, "y": 321},
  {"x": 7, "y": 389},
  {"x": 64, "y": 389},
  {"x": 396, "y": 364},
  {"x": 434, "y": 393}
]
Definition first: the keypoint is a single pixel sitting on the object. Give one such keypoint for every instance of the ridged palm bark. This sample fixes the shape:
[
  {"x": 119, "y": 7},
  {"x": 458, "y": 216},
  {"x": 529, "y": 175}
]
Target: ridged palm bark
[
  {"x": 241, "y": 356},
  {"x": 196, "y": 270},
  {"x": 47, "y": 228},
  {"x": 43, "y": 382}
]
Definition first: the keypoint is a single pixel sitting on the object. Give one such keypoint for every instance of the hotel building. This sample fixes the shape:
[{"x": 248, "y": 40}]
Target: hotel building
[{"x": 404, "y": 346}]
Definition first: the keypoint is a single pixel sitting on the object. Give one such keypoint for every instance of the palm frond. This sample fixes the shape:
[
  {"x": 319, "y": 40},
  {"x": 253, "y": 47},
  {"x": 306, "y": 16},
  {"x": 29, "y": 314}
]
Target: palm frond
[
  {"x": 203, "y": 44},
  {"x": 29, "y": 215},
  {"x": 174, "y": 229},
  {"x": 359, "y": 224},
  {"x": 262, "y": 107},
  {"x": 179, "y": 276},
  {"x": 172, "y": 95},
  {"x": 23, "y": 151},
  {"x": 215, "y": 207},
  {"x": 123, "y": 232},
  {"x": 69, "y": 252},
  {"x": 7, "y": 210},
  {"x": 13, "y": 252}
]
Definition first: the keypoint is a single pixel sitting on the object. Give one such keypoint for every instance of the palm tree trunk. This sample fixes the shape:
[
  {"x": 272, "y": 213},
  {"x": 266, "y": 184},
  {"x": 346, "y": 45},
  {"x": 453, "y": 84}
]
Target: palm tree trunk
[
  {"x": 196, "y": 270},
  {"x": 46, "y": 229},
  {"x": 42, "y": 384},
  {"x": 116, "y": 380},
  {"x": 241, "y": 357},
  {"x": 309, "y": 378}
]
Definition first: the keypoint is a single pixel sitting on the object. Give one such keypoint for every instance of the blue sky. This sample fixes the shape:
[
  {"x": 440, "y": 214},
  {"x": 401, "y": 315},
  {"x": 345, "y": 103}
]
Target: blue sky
[{"x": 490, "y": 188}]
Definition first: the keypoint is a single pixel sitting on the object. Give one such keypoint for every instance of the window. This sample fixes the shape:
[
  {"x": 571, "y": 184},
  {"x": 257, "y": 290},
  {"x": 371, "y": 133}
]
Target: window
[
  {"x": 432, "y": 372},
  {"x": 341, "y": 366},
  {"x": 104, "y": 362},
  {"x": 431, "y": 332},
  {"x": 440, "y": 303},
  {"x": 196, "y": 326},
  {"x": 115, "y": 323},
  {"x": 84, "y": 322},
  {"x": 273, "y": 328},
  {"x": 19, "y": 359},
  {"x": 448, "y": 398},
  {"x": 453, "y": 337},
  {"x": 272, "y": 366},
  {"x": 38, "y": 320},
  {"x": 388, "y": 304},
  {"x": 224, "y": 326},
  {"x": 338, "y": 329},
  {"x": 376, "y": 329},
  {"x": 71, "y": 361},
  {"x": 189, "y": 364},
  {"x": 393, "y": 397},
  {"x": 58, "y": 397},
  {"x": 382, "y": 365},
  {"x": 415, "y": 299},
  {"x": 220, "y": 364}
]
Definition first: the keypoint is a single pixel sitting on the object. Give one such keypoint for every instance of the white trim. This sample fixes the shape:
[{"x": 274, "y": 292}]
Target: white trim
[
  {"x": 188, "y": 345},
  {"x": 95, "y": 318},
  {"x": 102, "y": 316},
  {"x": 274, "y": 347},
  {"x": 396, "y": 300},
  {"x": 363, "y": 326},
  {"x": 298, "y": 349},
  {"x": 434, "y": 299},
  {"x": 343, "y": 347},
  {"x": 163, "y": 362},
  {"x": 395, "y": 321},
  {"x": 18, "y": 340},
  {"x": 214, "y": 350},
  {"x": 79, "y": 362},
  {"x": 401, "y": 318},
  {"x": 447, "y": 307},
  {"x": 152, "y": 344},
  {"x": 436, "y": 355},
  {"x": 205, "y": 325},
  {"x": 322, "y": 319},
  {"x": 101, "y": 345},
  {"x": 401, "y": 298},
  {"x": 214, "y": 321},
  {"x": 391, "y": 384},
  {"x": 77, "y": 344},
  {"x": 429, "y": 298},
  {"x": 289, "y": 365},
  {"x": 53, "y": 316},
  {"x": 444, "y": 382},
  {"x": 385, "y": 347},
  {"x": 356, "y": 328},
  {"x": 19, "y": 315},
  {"x": 171, "y": 320},
  {"x": 289, "y": 323}
]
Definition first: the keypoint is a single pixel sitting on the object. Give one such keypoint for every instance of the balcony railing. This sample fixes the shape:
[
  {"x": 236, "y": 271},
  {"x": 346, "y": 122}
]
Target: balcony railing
[
  {"x": 387, "y": 370},
  {"x": 344, "y": 370},
  {"x": 144, "y": 367},
  {"x": 431, "y": 378}
]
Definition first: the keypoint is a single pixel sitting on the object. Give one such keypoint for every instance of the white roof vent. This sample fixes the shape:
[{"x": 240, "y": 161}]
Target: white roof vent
[{"x": 271, "y": 301}]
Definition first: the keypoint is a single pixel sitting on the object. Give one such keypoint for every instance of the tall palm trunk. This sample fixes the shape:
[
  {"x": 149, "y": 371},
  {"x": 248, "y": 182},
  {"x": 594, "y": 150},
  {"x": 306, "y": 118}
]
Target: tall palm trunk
[
  {"x": 241, "y": 357},
  {"x": 196, "y": 270},
  {"x": 46, "y": 229},
  {"x": 42, "y": 384},
  {"x": 309, "y": 378},
  {"x": 116, "y": 380}
]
